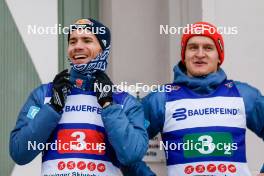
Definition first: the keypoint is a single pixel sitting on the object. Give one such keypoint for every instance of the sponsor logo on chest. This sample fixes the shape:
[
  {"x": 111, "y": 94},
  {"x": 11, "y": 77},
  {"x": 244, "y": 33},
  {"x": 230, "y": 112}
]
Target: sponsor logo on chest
[
  {"x": 82, "y": 109},
  {"x": 183, "y": 113},
  {"x": 215, "y": 111}
]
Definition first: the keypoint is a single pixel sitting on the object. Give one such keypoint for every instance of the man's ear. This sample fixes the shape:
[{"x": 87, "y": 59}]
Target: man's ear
[{"x": 219, "y": 63}]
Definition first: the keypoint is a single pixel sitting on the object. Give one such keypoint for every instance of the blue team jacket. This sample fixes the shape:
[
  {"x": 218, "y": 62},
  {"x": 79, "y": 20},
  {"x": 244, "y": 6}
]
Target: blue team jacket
[
  {"x": 154, "y": 108},
  {"x": 123, "y": 122}
]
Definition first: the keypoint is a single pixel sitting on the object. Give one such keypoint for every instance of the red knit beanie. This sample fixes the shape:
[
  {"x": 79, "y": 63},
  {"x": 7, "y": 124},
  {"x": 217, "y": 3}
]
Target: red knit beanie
[{"x": 203, "y": 29}]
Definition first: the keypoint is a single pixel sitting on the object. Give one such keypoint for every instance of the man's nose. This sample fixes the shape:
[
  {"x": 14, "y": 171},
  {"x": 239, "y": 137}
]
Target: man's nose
[
  {"x": 78, "y": 46},
  {"x": 200, "y": 53}
]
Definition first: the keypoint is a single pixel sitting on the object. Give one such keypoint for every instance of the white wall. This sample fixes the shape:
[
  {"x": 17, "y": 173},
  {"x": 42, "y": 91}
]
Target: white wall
[
  {"x": 139, "y": 53},
  {"x": 244, "y": 55},
  {"x": 43, "y": 48}
]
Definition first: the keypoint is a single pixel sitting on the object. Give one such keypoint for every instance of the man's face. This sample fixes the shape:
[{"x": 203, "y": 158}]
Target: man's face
[
  {"x": 83, "y": 46},
  {"x": 201, "y": 56}
]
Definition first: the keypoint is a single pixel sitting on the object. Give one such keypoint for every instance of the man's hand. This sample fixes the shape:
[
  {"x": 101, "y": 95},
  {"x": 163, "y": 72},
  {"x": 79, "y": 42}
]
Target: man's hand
[
  {"x": 61, "y": 86},
  {"x": 104, "y": 92}
]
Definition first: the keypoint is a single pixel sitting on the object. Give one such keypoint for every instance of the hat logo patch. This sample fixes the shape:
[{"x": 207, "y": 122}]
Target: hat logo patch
[
  {"x": 84, "y": 21},
  {"x": 104, "y": 42}
]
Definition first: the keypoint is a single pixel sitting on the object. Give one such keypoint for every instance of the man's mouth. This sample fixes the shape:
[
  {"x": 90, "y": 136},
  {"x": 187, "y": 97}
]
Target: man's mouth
[
  {"x": 78, "y": 57},
  {"x": 200, "y": 63}
]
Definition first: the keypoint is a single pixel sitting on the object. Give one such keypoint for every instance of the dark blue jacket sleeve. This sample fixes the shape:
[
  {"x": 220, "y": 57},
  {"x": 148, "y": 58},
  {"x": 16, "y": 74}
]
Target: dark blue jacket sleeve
[
  {"x": 254, "y": 105},
  {"x": 138, "y": 169},
  {"x": 154, "y": 109},
  {"x": 124, "y": 125},
  {"x": 35, "y": 123},
  {"x": 262, "y": 169}
]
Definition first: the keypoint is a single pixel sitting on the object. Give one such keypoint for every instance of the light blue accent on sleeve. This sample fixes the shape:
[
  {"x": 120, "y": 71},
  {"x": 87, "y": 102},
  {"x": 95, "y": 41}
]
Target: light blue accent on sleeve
[
  {"x": 32, "y": 112},
  {"x": 146, "y": 123}
]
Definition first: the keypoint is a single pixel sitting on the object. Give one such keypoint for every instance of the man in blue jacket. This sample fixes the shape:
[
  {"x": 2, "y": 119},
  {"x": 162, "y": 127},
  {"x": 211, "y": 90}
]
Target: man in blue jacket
[
  {"x": 203, "y": 117},
  {"x": 81, "y": 129}
]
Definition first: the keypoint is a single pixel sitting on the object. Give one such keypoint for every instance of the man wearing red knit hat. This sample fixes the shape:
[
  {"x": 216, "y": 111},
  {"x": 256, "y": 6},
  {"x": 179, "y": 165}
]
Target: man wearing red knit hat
[{"x": 203, "y": 117}]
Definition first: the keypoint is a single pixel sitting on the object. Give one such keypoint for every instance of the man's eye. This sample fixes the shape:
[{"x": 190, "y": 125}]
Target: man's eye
[
  {"x": 193, "y": 47},
  {"x": 87, "y": 40},
  {"x": 208, "y": 48},
  {"x": 72, "y": 42}
]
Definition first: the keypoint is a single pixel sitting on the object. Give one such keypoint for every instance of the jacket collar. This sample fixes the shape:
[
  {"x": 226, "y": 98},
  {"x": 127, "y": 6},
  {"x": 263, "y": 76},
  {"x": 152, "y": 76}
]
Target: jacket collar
[{"x": 201, "y": 85}]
